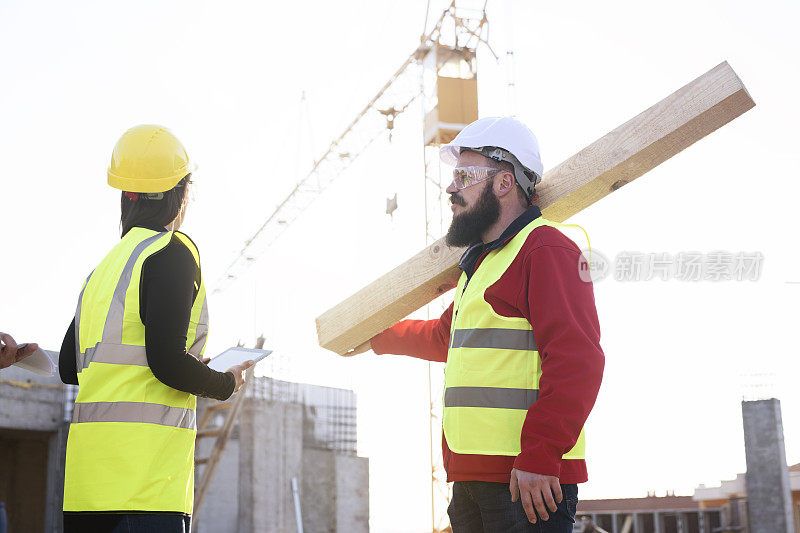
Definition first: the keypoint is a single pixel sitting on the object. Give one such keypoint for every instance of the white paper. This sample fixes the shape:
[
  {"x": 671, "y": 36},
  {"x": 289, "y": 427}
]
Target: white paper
[
  {"x": 39, "y": 362},
  {"x": 235, "y": 356}
]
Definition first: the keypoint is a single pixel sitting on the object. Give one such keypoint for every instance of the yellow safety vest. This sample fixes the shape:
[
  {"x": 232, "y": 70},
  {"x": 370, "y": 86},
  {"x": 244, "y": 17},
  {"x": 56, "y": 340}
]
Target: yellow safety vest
[
  {"x": 131, "y": 442},
  {"x": 493, "y": 365}
]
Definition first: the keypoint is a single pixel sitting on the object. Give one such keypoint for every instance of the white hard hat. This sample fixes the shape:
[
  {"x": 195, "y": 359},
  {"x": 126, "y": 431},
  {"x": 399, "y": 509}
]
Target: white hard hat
[{"x": 486, "y": 135}]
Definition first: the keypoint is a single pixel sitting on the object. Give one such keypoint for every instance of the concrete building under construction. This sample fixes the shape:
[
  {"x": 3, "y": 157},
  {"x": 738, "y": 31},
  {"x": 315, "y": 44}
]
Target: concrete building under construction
[
  {"x": 292, "y": 453},
  {"x": 765, "y": 499}
]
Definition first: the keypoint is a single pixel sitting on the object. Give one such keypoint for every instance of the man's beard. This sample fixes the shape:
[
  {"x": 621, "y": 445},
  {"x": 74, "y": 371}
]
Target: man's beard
[{"x": 468, "y": 227}]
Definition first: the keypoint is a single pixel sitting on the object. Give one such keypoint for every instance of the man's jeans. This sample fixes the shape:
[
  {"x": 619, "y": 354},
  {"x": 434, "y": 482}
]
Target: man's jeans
[{"x": 485, "y": 507}]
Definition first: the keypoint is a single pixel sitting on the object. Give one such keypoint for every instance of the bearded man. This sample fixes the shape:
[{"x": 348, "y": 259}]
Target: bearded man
[{"x": 521, "y": 343}]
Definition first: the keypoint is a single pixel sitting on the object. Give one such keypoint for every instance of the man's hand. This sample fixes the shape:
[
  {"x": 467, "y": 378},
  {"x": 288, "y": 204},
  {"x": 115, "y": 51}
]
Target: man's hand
[
  {"x": 10, "y": 353},
  {"x": 238, "y": 373},
  {"x": 361, "y": 348},
  {"x": 536, "y": 491}
]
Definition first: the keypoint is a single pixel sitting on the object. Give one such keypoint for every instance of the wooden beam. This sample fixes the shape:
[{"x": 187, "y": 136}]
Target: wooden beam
[
  {"x": 644, "y": 142},
  {"x": 617, "y": 158},
  {"x": 382, "y": 303}
]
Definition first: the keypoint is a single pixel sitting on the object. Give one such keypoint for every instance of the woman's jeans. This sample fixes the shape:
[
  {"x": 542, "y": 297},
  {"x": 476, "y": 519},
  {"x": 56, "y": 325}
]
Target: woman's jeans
[{"x": 126, "y": 523}]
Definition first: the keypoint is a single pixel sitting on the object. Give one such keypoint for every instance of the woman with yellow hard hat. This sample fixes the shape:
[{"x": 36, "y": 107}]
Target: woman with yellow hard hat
[{"x": 135, "y": 348}]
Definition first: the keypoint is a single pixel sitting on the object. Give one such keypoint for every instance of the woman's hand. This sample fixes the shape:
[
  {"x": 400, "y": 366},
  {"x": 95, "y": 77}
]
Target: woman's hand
[
  {"x": 10, "y": 353},
  {"x": 238, "y": 373}
]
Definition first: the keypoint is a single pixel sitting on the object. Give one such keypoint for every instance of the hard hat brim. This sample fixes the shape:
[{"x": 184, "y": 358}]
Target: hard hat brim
[
  {"x": 448, "y": 154},
  {"x": 145, "y": 184}
]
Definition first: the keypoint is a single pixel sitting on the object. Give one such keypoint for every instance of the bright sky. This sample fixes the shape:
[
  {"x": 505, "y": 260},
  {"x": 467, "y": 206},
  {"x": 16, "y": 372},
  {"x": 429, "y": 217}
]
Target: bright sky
[{"x": 227, "y": 78}]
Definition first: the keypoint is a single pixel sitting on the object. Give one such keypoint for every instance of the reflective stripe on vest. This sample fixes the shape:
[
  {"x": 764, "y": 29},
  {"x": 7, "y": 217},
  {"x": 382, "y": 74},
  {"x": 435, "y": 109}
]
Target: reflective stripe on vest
[
  {"x": 510, "y": 339},
  {"x": 139, "y": 412},
  {"x": 490, "y": 397},
  {"x": 493, "y": 365},
  {"x": 125, "y": 421}
]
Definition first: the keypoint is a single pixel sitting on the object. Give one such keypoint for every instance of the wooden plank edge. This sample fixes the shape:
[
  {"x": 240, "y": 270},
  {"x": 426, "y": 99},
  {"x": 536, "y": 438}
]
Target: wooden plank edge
[
  {"x": 355, "y": 312},
  {"x": 733, "y": 102}
]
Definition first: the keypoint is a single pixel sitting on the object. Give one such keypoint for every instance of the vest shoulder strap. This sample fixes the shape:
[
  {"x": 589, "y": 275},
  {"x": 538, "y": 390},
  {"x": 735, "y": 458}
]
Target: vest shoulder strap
[
  {"x": 586, "y": 234},
  {"x": 189, "y": 243}
]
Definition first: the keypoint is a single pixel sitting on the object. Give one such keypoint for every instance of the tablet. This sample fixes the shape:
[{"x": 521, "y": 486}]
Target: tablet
[{"x": 235, "y": 356}]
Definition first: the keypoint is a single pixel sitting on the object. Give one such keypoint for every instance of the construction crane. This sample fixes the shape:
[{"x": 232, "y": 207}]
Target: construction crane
[
  {"x": 463, "y": 30},
  {"x": 450, "y": 102},
  {"x": 442, "y": 73}
]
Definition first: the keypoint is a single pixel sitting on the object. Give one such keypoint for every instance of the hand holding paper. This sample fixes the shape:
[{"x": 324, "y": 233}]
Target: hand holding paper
[{"x": 11, "y": 353}]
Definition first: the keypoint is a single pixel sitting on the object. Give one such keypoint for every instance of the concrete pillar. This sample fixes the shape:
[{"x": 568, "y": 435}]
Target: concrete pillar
[
  {"x": 680, "y": 518},
  {"x": 352, "y": 494},
  {"x": 319, "y": 491},
  {"x": 335, "y": 495},
  {"x": 270, "y": 455},
  {"x": 637, "y": 523},
  {"x": 769, "y": 498},
  {"x": 658, "y": 522},
  {"x": 617, "y": 521},
  {"x": 220, "y": 510},
  {"x": 56, "y": 458}
]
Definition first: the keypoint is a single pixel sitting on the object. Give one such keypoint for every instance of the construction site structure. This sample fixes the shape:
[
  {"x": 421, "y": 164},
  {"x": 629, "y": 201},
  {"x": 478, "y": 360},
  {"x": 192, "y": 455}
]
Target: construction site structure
[
  {"x": 221, "y": 432},
  {"x": 33, "y": 441},
  {"x": 652, "y": 514},
  {"x": 765, "y": 499},
  {"x": 291, "y": 453},
  {"x": 450, "y": 90},
  {"x": 220, "y": 429}
]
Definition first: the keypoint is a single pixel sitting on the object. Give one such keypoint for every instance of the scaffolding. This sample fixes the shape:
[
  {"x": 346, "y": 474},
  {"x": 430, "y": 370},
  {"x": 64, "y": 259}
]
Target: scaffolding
[{"x": 329, "y": 414}]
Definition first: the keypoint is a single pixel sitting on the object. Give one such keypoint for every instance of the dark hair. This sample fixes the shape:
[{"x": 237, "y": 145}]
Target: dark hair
[
  {"x": 149, "y": 212},
  {"x": 508, "y": 167}
]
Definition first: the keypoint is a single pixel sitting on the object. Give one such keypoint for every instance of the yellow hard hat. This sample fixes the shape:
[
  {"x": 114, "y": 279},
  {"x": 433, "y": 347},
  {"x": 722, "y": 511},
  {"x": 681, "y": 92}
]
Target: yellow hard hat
[{"x": 147, "y": 159}]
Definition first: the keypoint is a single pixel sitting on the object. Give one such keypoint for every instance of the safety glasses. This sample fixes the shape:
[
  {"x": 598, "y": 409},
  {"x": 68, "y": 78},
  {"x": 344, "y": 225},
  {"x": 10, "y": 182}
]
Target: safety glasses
[{"x": 464, "y": 177}]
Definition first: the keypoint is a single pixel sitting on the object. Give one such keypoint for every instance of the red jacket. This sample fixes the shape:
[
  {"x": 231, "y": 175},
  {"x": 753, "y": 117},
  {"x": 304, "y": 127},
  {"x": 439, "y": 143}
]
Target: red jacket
[{"x": 542, "y": 285}]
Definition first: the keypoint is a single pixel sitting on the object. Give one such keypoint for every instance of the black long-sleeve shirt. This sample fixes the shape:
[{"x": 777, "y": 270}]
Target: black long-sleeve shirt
[{"x": 166, "y": 295}]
